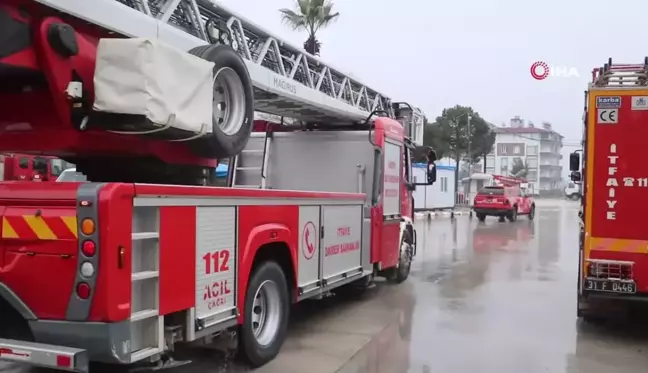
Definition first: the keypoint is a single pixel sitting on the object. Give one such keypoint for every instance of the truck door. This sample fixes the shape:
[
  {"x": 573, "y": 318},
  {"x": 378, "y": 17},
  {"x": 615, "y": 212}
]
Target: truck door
[
  {"x": 392, "y": 170},
  {"x": 22, "y": 168}
]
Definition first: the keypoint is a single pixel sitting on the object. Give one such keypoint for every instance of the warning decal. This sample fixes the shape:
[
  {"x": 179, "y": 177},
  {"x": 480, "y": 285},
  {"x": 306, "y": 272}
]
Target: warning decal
[{"x": 607, "y": 116}]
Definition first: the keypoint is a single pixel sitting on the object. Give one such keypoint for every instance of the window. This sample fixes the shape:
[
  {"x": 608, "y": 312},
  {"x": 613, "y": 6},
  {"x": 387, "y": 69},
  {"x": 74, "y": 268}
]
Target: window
[
  {"x": 444, "y": 184},
  {"x": 40, "y": 165},
  {"x": 23, "y": 163},
  {"x": 532, "y": 162},
  {"x": 532, "y": 149},
  {"x": 504, "y": 165},
  {"x": 492, "y": 191}
]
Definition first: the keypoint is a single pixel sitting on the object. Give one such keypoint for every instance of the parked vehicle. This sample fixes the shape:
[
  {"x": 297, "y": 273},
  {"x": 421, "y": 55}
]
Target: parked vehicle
[
  {"x": 505, "y": 202},
  {"x": 573, "y": 191},
  {"x": 613, "y": 240},
  {"x": 145, "y": 98},
  {"x": 71, "y": 175},
  {"x": 28, "y": 167}
]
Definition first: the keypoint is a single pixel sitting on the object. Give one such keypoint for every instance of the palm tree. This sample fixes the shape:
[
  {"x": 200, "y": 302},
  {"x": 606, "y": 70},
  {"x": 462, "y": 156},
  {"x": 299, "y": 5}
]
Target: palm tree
[{"x": 310, "y": 15}]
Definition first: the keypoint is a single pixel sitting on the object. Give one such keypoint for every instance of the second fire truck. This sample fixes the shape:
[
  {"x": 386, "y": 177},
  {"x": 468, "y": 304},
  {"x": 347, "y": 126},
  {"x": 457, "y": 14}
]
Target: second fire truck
[{"x": 144, "y": 97}]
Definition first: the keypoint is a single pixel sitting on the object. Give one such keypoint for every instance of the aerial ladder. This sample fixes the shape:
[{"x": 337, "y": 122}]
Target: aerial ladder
[{"x": 111, "y": 145}]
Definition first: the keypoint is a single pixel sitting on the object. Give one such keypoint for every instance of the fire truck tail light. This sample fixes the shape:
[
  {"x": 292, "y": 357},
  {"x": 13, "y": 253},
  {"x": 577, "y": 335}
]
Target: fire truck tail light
[
  {"x": 83, "y": 290},
  {"x": 89, "y": 248},
  {"x": 87, "y": 269},
  {"x": 87, "y": 226},
  {"x": 63, "y": 361}
]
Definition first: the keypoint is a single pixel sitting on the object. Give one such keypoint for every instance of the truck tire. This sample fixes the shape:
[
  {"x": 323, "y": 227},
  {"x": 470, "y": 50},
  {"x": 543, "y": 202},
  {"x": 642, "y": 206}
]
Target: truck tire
[
  {"x": 233, "y": 106},
  {"x": 401, "y": 272},
  {"x": 481, "y": 217},
  {"x": 265, "y": 323},
  {"x": 532, "y": 212},
  {"x": 512, "y": 216}
]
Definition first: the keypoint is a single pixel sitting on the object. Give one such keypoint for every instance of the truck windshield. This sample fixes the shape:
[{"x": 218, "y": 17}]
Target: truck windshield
[{"x": 493, "y": 191}]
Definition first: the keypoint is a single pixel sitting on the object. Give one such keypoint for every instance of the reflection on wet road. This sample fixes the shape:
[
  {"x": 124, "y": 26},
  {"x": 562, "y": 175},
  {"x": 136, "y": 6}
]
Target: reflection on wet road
[
  {"x": 482, "y": 297},
  {"x": 501, "y": 297}
]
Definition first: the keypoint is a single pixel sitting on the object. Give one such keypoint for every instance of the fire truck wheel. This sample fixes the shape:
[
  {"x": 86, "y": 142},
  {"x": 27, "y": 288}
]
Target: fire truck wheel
[
  {"x": 532, "y": 212},
  {"x": 513, "y": 214},
  {"x": 481, "y": 217},
  {"x": 402, "y": 270},
  {"x": 266, "y": 314},
  {"x": 233, "y": 104}
]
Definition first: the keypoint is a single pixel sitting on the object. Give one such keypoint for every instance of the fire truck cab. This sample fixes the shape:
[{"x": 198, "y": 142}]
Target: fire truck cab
[{"x": 145, "y": 99}]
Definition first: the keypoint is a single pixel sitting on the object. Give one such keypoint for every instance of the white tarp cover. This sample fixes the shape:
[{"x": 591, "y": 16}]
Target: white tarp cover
[{"x": 146, "y": 77}]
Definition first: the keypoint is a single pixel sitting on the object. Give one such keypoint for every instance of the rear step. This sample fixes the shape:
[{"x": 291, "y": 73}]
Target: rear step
[{"x": 44, "y": 355}]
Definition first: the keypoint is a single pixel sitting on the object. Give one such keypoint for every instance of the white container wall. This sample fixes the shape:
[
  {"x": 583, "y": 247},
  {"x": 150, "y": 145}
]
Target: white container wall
[{"x": 441, "y": 194}]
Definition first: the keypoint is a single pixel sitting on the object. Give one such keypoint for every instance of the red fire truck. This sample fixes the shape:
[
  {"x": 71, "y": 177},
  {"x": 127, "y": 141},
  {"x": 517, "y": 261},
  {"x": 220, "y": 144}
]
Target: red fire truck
[
  {"x": 613, "y": 239},
  {"x": 144, "y": 97},
  {"x": 30, "y": 167}
]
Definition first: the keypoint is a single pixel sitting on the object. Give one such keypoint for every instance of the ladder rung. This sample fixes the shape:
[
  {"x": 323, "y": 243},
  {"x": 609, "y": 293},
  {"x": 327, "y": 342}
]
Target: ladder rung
[
  {"x": 144, "y": 353},
  {"x": 248, "y": 168},
  {"x": 253, "y": 151},
  {"x": 145, "y": 235},
  {"x": 143, "y": 315},
  {"x": 144, "y": 275}
]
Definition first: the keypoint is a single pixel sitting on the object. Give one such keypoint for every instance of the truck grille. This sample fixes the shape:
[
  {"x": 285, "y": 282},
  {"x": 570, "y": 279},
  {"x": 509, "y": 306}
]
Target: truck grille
[{"x": 613, "y": 269}]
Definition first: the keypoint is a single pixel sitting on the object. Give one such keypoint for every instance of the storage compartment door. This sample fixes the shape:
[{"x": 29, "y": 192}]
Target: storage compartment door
[{"x": 340, "y": 249}]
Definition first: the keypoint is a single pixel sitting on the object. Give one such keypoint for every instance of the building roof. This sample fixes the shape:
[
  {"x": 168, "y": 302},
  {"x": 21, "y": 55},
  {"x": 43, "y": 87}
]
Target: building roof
[{"x": 524, "y": 130}]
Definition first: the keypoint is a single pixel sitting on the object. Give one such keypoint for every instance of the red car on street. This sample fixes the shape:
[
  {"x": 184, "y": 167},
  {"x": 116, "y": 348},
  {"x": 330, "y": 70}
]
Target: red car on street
[{"x": 504, "y": 201}]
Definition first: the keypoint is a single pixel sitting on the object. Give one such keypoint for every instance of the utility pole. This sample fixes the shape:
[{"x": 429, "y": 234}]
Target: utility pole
[{"x": 469, "y": 148}]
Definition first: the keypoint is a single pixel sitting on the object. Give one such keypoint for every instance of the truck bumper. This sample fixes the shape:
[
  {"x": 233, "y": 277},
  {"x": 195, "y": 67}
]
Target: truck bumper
[
  {"x": 104, "y": 342},
  {"x": 491, "y": 211},
  {"x": 44, "y": 355}
]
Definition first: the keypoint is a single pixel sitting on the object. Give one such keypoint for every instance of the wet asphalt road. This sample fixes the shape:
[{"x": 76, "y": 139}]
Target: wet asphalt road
[{"x": 482, "y": 297}]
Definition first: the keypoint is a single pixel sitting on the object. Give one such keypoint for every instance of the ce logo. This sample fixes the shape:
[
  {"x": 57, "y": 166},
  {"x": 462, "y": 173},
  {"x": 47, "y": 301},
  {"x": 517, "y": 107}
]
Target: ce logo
[{"x": 608, "y": 116}]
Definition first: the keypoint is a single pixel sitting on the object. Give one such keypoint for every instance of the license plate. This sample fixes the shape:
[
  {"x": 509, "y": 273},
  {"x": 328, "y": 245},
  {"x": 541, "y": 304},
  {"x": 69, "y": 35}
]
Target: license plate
[
  {"x": 489, "y": 200},
  {"x": 611, "y": 286}
]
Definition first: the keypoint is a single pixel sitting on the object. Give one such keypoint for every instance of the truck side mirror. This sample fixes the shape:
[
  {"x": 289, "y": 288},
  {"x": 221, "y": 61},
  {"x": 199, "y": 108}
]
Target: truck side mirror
[
  {"x": 431, "y": 173},
  {"x": 574, "y": 162},
  {"x": 575, "y": 176}
]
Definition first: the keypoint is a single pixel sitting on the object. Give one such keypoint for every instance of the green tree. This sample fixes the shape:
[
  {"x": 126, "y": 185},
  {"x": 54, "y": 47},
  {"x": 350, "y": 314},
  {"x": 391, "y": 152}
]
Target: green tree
[
  {"x": 311, "y": 16},
  {"x": 456, "y": 130},
  {"x": 519, "y": 168},
  {"x": 484, "y": 137}
]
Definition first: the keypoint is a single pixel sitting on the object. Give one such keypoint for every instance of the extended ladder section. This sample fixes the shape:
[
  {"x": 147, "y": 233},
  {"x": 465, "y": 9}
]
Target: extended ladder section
[
  {"x": 621, "y": 75},
  {"x": 288, "y": 81},
  {"x": 147, "y": 326}
]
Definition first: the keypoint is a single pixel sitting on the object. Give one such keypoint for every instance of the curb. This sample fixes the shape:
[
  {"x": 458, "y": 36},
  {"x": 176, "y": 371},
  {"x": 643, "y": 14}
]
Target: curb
[{"x": 422, "y": 215}]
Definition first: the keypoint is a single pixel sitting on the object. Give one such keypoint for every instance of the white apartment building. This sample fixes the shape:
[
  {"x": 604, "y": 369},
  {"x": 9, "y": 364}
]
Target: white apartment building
[{"x": 540, "y": 148}]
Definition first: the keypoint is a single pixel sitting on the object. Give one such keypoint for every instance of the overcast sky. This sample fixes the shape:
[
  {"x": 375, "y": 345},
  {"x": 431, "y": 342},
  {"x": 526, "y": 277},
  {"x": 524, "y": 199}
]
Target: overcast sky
[{"x": 479, "y": 53}]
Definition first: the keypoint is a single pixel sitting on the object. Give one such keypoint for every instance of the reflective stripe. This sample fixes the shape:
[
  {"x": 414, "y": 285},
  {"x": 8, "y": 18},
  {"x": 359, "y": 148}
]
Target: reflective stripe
[
  {"x": 7, "y": 230},
  {"x": 618, "y": 245},
  {"x": 41, "y": 228}
]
